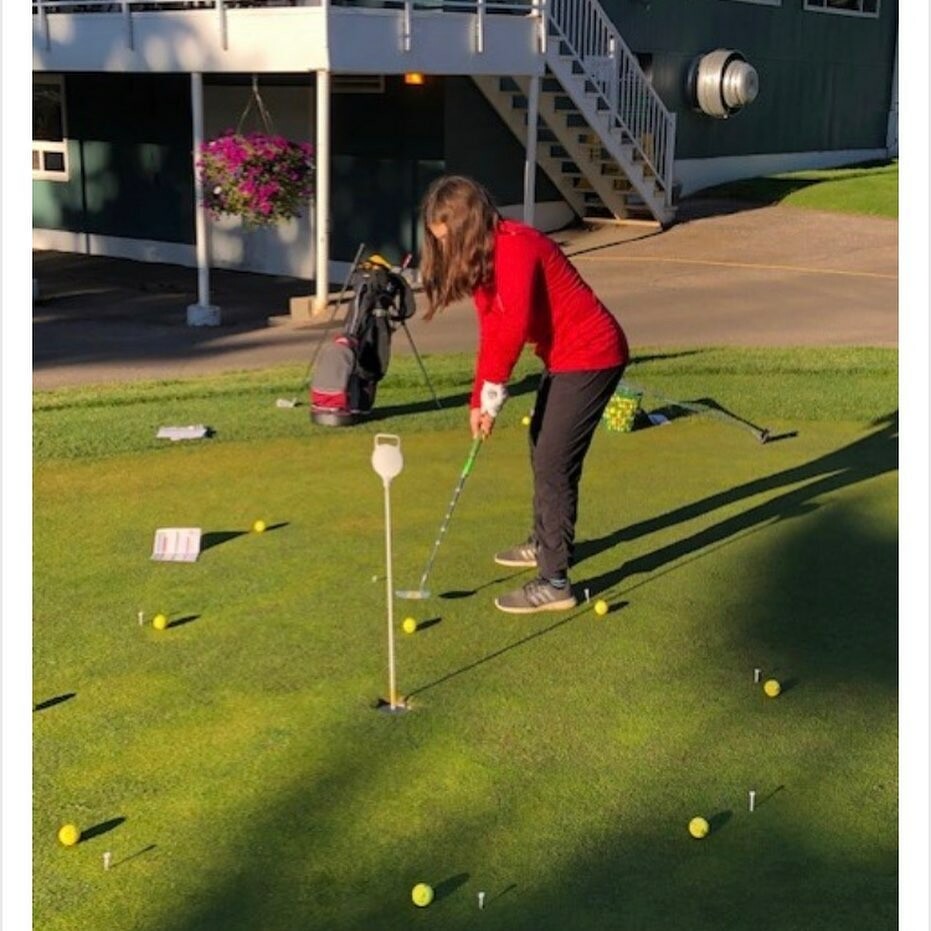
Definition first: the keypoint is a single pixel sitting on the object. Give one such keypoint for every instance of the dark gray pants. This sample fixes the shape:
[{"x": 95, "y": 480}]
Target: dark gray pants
[{"x": 568, "y": 408}]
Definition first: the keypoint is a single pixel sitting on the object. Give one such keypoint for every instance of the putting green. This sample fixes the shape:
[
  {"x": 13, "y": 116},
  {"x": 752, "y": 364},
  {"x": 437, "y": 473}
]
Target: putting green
[{"x": 234, "y": 767}]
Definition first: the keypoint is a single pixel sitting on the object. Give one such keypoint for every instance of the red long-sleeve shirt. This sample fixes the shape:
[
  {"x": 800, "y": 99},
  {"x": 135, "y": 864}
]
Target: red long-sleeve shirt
[{"x": 538, "y": 297}]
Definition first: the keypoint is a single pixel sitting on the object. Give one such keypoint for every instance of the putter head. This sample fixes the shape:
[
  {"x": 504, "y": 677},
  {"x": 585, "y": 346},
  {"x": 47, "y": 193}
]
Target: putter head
[{"x": 412, "y": 594}]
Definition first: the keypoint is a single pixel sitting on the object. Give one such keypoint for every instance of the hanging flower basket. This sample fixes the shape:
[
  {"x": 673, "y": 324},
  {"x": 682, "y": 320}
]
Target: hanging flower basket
[{"x": 260, "y": 177}]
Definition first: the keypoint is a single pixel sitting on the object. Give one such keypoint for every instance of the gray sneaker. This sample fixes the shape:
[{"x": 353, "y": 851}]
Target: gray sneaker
[
  {"x": 536, "y": 595},
  {"x": 523, "y": 555}
]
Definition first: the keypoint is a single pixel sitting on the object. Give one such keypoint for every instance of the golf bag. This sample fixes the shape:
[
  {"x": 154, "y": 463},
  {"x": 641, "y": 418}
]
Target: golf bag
[{"x": 350, "y": 367}]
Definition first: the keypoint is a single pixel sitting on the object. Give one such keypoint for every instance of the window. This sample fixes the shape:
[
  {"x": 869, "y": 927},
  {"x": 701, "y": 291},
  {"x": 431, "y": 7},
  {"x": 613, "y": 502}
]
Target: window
[
  {"x": 49, "y": 129},
  {"x": 845, "y": 7}
]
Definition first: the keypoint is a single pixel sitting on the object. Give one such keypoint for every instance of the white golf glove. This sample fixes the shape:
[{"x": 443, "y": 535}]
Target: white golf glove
[{"x": 492, "y": 398}]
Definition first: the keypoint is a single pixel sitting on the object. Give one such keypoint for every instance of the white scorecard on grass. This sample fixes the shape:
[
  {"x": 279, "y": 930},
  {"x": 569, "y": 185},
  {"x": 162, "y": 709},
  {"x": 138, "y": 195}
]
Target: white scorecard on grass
[{"x": 176, "y": 544}]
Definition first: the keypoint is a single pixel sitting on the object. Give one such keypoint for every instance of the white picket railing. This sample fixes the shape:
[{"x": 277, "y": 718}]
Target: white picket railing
[{"x": 608, "y": 64}]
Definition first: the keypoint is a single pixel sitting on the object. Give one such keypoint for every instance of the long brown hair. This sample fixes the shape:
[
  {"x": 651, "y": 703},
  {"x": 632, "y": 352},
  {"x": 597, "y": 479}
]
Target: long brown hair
[{"x": 463, "y": 261}]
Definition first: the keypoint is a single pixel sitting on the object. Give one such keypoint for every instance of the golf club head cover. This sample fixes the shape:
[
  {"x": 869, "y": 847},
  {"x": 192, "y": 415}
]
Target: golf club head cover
[{"x": 492, "y": 398}]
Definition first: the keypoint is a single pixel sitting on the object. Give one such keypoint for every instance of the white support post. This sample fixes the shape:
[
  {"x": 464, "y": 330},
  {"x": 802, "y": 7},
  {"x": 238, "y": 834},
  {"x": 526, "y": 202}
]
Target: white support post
[
  {"x": 542, "y": 14},
  {"x": 322, "y": 187},
  {"x": 221, "y": 25},
  {"x": 530, "y": 164},
  {"x": 203, "y": 313},
  {"x": 480, "y": 27},
  {"x": 43, "y": 18},
  {"x": 406, "y": 26},
  {"x": 128, "y": 20}
]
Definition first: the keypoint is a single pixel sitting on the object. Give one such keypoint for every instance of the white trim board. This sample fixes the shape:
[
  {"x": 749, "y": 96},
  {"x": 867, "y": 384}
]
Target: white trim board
[{"x": 696, "y": 174}]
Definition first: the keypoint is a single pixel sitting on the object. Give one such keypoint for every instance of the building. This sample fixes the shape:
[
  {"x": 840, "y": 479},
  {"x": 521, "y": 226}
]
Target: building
[{"x": 564, "y": 108}]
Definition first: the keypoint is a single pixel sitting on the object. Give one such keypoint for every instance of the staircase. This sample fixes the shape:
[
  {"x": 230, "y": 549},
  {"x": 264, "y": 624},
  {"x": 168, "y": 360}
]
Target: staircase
[{"x": 604, "y": 137}]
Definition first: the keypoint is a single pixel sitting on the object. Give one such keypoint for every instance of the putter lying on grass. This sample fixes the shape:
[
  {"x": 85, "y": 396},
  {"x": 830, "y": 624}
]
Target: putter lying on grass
[
  {"x": 705, "y": 407},
  {"x": 418, "y": 594}
]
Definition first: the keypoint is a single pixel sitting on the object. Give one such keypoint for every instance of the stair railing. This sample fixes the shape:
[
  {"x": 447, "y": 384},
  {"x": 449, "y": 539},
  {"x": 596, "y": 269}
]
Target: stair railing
[{"x": 634, "y": 107}]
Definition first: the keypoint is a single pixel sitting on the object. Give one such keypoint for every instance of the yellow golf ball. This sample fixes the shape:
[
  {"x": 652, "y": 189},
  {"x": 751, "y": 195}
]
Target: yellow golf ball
[
  {"x": 159, "y": 622},
  {"x": 601, "y": 607},
  {"x": 422, "y": 895},
  {"x": 409, "y": 625},
  {"x": 258, "y": 526},
  {"x": 69, "y": 834},
  {"x": 699, "y": 828},
  {"x": 525, "y": 420},
  {"x": 772, "y": 687}
]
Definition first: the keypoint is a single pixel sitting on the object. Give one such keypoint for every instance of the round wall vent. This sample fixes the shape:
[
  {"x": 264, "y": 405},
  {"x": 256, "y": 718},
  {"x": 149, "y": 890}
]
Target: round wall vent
[{"x": 722, "y": 82}]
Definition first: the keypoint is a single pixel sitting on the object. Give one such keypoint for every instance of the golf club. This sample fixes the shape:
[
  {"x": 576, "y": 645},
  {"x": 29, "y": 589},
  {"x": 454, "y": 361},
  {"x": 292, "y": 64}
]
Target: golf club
[
  {"x": 336, "y": 307},
  {"x": 420, "y": 593},
  {"x": 762, "y": 434}
]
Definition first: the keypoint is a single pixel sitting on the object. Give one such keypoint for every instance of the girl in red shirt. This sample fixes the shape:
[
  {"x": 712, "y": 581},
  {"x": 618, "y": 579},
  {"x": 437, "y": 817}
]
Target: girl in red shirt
[{"x": 526, "y": 291}]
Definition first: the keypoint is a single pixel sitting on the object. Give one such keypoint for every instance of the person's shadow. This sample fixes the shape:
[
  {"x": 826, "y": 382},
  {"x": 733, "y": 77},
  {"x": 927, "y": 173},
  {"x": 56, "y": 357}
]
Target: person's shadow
[{"x": 863, "y": 459}]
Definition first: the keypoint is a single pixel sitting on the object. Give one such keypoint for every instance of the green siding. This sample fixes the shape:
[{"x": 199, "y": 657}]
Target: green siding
[
  {"x": 825, "y": 79},
  {"x": 387, "y": 148},
  {"x": 129, "y": 157}
]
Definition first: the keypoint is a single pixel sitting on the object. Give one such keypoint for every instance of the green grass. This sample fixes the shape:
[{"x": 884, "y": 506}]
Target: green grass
[
  {"x": 242, "y": 780},
  {"x": 861, "y": 189},
  {"x": 791, "y": 384}
]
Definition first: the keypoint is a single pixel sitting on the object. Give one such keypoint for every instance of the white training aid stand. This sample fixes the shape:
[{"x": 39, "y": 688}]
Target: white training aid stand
[
  {"x": 176, "y": 544},
  {"x": 388, "y": 462}
]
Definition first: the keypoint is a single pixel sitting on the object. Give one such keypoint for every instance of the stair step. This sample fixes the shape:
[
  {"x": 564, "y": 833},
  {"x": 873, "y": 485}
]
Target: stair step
[
  {"x": 508, "y": 85},
  {"x": 558, "y": 151}
]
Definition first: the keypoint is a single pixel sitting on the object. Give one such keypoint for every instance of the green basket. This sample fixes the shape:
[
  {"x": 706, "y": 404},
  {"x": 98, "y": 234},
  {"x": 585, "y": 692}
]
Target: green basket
[{"x": 621, "y": 412}]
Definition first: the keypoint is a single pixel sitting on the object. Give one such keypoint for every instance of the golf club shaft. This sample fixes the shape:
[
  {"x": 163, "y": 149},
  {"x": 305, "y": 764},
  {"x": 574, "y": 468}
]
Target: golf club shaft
[
  {"x": 466, "y": 469},
  {"x": 761, "y": 433},
  {"x": 410, "y": 339}
]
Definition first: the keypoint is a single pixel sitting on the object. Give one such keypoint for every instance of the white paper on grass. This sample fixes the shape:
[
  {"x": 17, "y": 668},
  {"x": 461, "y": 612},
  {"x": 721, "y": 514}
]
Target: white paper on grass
[
  {"x": 176, "y": 544},
  {"x": 192, "y": 432}
]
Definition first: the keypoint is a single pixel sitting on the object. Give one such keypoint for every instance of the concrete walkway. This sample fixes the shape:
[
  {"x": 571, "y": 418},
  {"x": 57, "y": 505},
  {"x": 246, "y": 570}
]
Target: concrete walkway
[{"x": 726, "y": 274}]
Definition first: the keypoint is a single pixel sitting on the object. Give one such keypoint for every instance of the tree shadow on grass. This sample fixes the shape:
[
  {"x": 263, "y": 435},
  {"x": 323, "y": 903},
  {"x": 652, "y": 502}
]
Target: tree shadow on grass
[{"x": 874, "y": 455}]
